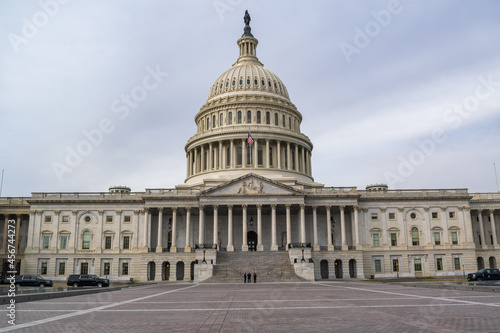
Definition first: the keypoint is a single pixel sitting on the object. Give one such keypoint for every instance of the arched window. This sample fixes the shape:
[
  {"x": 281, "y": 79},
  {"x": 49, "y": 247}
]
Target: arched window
[
  {"x": 230, "y": 118},
  {"x": 258, "y": 117},
  {"x": 221, "y": 120},
  {"x": 268, "y": 118},
  {"x": 284, "y": 122},
  {"x": 86, "y": 240},
  {"x": 276, "y": 119},
  {"x": 208, "y": 123},
  {"x": 239, "y": 117},
  {"x": 239, "y": 156},
  {"x": 228, "y": 156},
  {"x": 289, "y": 122},
  {"x": 415, "y": 238},
  {"x": 249, "y": 117},
  {"x": 214, "y": 122}
]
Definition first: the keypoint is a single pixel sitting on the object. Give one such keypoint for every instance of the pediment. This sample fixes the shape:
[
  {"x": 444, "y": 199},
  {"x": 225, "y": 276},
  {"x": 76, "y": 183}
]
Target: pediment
[{"x": 251, "y": 185}]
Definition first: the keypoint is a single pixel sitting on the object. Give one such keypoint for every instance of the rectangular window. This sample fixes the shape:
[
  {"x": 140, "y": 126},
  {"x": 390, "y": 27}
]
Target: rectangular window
[
  {"x": 378, "y": 266},
  {"x": 107, "y": 243},
  {"x": 456, "y": 263},
  {"x": 84, "y": 268},
  {"x": 439, "y": 264},
  {"x": 46, "y": 241},
  {"x": 418, "y": 265},
  {"x": 109, "y": 219},
  {"x": 125, "y": 268},
  {"x": 64, "y": 242},
  {"x": 437, "y": 238},
  {"x": 394, "y": 239},
  {"x": 374, "y": 216},
  {"x": 395, "y": 265},
  {"x": 392, "y": 216},
  {"x": 454, "y": 238},
  {"x": 435, "y": 215},
  {"x": 107, "y": 268},
  {"x": 65, "y": 219},
  {"x": 284, "y": 122},
  {"x": 48, "y": 218},
  {"x": 126, "y": 242},
  {"x": 126, "y": 219},
  {"x": 43, "y": 268},
  {"x": 62, "y": 268},
  {"x": 452, "y": 215},
  {"x": 376, "y": 240}
]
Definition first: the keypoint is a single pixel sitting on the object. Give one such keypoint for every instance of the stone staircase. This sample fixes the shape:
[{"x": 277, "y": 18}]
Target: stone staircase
[{"x": 270, "y": 266}]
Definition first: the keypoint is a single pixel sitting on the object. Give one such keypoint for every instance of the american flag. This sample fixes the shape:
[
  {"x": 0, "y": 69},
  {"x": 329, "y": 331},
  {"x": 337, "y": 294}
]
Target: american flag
[{"x": 250, "y": 139}]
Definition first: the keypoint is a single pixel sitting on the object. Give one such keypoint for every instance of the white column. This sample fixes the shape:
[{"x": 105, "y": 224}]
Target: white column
[
  {"x": 288, "y": 157},
  {"x": 230, "y": 246},
  {"x": 188, "y": 157},
  {"x": 188, "y": 230},
  {"x": 244, "y": 246},
  {"x": 481, "y": 228},
  {"x": 278, "y": 154},
  {"x": 255, "y": 156},
  {"x": 159, "y": 245},
  {"x": 302, "y": 224},
  {"x": 329, "y": 228},
  {"x": 210, "y": 157},
  {"x": 201, "y": 226},
  {"x": 356, "y": 227},
  {"x": 303, "y": 156},
  {"x": 315, "y": 229},
  {"x": 342, "y": 226},
  {"x": 296, "y": 158},
  {"x": 216, "y": 227},
  {"x": 274, "y": 245},
  {"x": 243, "y": 153},
  {"x": 468, "y": 236},
  {"x": 221, "y": 156},
  {"x": 202, "y": 159},
  {"x": 288, "y": 227},
  {"x": 31, "y": 226},
  {"x": 232, "y": 156},
  {"x": 173, "y": 247},
  {"x": 428, "y": 232},
  {"x": 260, "y": 246},
  {"x": 119, "y": 233},
  {"x": 145, "y": 239},
  {"x": 444, "y": 218},
  {"x": 195, "y": 155},
  {"x": 493, "y": 228}
]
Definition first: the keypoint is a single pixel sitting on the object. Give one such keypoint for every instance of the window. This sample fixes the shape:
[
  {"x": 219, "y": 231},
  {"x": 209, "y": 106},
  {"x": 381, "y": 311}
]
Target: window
[
  {"x": 283, "y": 121},
  {"x": 84, "y": 268},
  {"x": 124, "y": 268},
  {"x": 43, "y": 268},
  {"x": 230, "y": 118},
  {"x": 435, "y": 215},
  {"x": 86, "y": 240},
  {"x": 48, "y": 219},
  {"x": 65, "y": 219},
  {"x": 46, "y": 241},
  {"x": 374, "y": 216},
  {"x": 376, "y": 240},
  {"x": 64, "y": 242},
  {"x": 126, "y": 242},
  {"x": 415, "y": 238},
  {"x": 126, "y": 219},
  {"x": 107, "y": 243},
  {"x": 395, "y": 265},
  {"x": 87, "y": 218},
  {"x": 259, "y": 155},
  {"x": 248, "y": 81},
  {"x": 107, "y": 268},
  {"x": 394, "y": 239},
  {"x": 452, "y": 215},
  {"x": 290, "y": 122},
  {"x": 276, "y": 119},
  {"x": 456, "y": 263},
  {"x": 249, "y": 117},
  {"x": 238, "y": 156},
  {"x": 378, "y": 266},
  {"x": 214, "y": 121},
  {"x": 413, "y": 216},
  {"x": 271, "y": 156},
  {"x": 208, "y": 123},
  {"x": 439, "y": 264},
  {"x": 239, "y": 117},
  {"x": 392, "y": 216},
  {"x": 228, "y": 158},
  {"x": 62, "y": 268},
  {"x": 258, "y": 117},
  {"x": 268, "y": 118},
  {"x": 454, "y": 237},
  {"x": 437, "y": 238},
  {"x": 417, "y": 263},
  {"x": 221, "y": 119},
  {"x": 109, "y": 219}
]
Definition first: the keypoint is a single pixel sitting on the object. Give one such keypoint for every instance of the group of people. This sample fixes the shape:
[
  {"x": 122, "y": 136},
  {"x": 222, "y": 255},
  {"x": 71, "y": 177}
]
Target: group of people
[{"x": 248, "y": 277}]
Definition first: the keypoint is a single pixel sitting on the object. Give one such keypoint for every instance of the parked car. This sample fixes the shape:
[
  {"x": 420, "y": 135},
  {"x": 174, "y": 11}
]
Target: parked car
[
  {"x": 87, "y": 280},
  {"x": 484, "y": 274},
  {"x": 32, "y": 280}
]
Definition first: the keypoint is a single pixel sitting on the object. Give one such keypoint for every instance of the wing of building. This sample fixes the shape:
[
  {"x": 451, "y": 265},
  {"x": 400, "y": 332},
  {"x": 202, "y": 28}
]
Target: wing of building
[{"x": 249, "y": 204}]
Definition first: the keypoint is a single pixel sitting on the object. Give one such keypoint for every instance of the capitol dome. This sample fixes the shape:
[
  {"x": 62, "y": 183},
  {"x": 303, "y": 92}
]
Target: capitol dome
[{"x": 248, "y": 100}]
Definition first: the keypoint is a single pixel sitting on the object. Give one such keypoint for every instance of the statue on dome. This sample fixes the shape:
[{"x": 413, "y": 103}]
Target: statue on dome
[
  {"x": 247, "y": 18},
  {"x": 247, "y": 31}
]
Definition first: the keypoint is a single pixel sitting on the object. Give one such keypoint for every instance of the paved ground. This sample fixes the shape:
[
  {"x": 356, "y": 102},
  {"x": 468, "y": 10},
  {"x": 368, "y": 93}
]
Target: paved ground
[{"x": 287, "y": 307}]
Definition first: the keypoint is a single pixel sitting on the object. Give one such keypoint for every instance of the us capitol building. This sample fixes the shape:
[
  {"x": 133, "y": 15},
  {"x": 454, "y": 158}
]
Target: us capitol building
[{"x": 249, "y": 203}]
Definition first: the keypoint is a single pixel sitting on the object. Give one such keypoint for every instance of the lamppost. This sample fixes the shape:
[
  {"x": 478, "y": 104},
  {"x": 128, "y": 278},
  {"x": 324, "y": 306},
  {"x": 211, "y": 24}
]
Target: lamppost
[
  {"x": 204, "y": 261},
  {"x": 303, "y": 260}
]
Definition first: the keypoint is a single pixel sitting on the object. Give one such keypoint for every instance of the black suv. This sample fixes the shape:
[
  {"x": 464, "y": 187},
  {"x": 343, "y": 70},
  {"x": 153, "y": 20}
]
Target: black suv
[
  {"x": 484, "y": 274},
  {"x": 87, "y": 280},
  {"x": 32, "y": 280}
]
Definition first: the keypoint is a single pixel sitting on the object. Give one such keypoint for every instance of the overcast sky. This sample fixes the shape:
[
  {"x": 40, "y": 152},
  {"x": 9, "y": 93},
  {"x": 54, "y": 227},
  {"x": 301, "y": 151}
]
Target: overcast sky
[{"x": 399, "y": 92}]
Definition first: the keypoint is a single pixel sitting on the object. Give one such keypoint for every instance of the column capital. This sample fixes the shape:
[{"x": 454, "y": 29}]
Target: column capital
[
  {"x": 188, "y": 209},
  {"x": 57, "y": 211},
  {"x": 400, "y": 209},
  {"x": 160, "y": 209},
  {"x": 491, "y": 211},
  {"x": 443, "y": 208},
  {"x": 382, "y": 209},
  {"x": 328, "y": 207},
  {"x": 302, "y": 206},
  {"x": 259, "y": 206},
  {"x": 355, "y": 207},
  {"x": 480, "y": 210},
  {"x": 118, "y": 211},
  {"x": 73, "y": 211},
  {"x": 273, "y": 206},
  {"x": 146, "y": 209},
  {"x": 174, "y": 209},
  {"x": 201, "y": 207},
  {"x": 244, "y": 206},
  {"x": 314, "y": 207},
  {"x": 229, "y": 206},
  {"x": 216, "y": 206},
  {"x": 137, "y": 212},
  {"x": 341, "y": 208},
  {"x": 288, "y": 205},
  {"x": 100, "y": 211},
  {"x": 426, "y": 208}
]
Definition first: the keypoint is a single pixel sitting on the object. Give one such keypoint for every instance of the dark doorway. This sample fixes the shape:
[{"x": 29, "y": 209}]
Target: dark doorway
[
  {"x": 180, "y": 271},
  {"x": 166, "y": 271},
  {"x": 493, "y": 262},
  {"x": 192, "y": 270},
  {"x": 324, "y": 269},
  {"x": 352, "y": 268},
  {"x": 338, "y": 269},
  {"x": 151, "y": 270},
  {"x": 480, "y": 263},
  {"x": 252, "y": 241}
]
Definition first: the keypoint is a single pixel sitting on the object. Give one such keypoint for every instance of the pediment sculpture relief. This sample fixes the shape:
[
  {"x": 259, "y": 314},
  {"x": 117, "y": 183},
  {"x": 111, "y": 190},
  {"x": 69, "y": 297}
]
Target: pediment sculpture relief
[{"x": 251, "y": 188}]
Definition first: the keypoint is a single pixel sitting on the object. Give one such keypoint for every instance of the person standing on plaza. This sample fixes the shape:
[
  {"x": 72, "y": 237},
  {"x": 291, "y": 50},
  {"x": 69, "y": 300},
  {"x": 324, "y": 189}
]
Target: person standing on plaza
[
  {"x": 249, "y": 277},
  {"x": 245, "y": 277},
  {"x": 254, "y": 277}
]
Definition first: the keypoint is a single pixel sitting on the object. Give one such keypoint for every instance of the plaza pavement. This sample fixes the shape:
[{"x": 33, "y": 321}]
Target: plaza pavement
[{"x": 334, "y": 306}]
